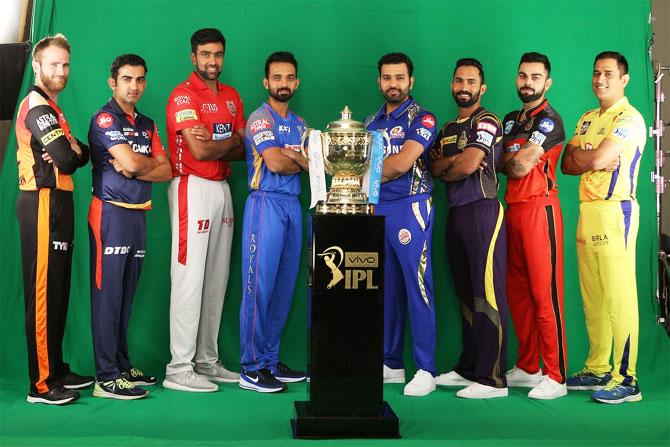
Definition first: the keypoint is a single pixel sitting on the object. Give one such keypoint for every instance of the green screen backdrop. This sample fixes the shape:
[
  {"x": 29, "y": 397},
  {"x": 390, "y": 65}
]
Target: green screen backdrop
[{"x": 337, "y": 45}]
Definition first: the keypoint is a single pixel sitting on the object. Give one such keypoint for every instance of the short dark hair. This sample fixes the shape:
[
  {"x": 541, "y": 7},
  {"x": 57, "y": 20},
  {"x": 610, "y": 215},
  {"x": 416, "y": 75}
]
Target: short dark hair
[
  {"x": 536, "y": 57},
  {"x": 620, "y": 60},
  {"x": 396, "y": 58},
  {"x": 470, "y": 62},
  {"x": 207, "y": 35},
  {"x": 280, "y": 56},
  {"x": 127, "y": 59}
]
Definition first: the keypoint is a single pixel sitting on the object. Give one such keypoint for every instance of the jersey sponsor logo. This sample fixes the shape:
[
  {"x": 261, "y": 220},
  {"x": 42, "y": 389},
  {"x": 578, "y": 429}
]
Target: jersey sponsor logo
[
  {"x": 451, "y": 139},
  {"x": 484, "y": 138},
  {"x": 227, "y": 221},
  {"x": 621, "y": 132},
  {"x": 404, "y": 236},
  {"x": 114, "y": 135},
  {"x": 209, "y": 108},
  {"x": 231, "y": 107},
  {"x": 180, "y": 100},
  {"x": 537, "y": 138},
  {"x": 60, "y": 246},
  {"x": 508, "y": 126},
  {"x": 513, "y": 148},
  {"x": 120, "y": 250},
  {"x": 397, "y": 132},
  {"x": 394, "y": 149},
  {"x": 140, "y": 148},
  {"x": 265, "y": 135},
  {"x": 529, "y": 124},
  {"x": 599, "y": 239},
  {"x": 221, "y": 131},
  {"x": 203, "y": 226},
  {"x": 488, "y": 127},
  {"x": 428, "y": 121},
  {"x": 293, "y": 147},
  {"x": 546, "y": 125},
  {"x": 147, "y": 134},
  {"x": 260, "y": 124},
  {"x": 585, "y": 127},
  {"x": 51, "y": 136},
  {"x": 185, "y": 115},
  {"x": 140, "y": 253},
  {"x": 104, "y": 120},
  {"x": 425, "y": 134},
  {"x": 46, "y": 120},
  {"x": 284, "y": 129}
]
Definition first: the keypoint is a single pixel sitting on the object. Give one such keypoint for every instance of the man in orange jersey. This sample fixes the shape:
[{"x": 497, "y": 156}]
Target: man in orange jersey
[{"x": 47, "y": 155}]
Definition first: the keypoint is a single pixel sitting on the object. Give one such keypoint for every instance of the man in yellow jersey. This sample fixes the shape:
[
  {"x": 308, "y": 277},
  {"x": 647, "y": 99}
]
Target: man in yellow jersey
[{"x": 606, "y": 150}]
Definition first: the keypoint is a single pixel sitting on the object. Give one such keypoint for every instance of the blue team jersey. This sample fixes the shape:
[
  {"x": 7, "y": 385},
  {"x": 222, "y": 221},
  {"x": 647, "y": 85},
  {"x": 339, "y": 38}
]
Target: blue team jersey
[
  {"x": 109, "y": 127},
  {"x": 410, "y": 121},
  {"x": 265, "y": 129}
]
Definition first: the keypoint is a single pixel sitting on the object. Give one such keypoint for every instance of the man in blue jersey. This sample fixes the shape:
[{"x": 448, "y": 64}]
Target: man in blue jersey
[
  {"x": 272, "y": 228},
  {"x": 127, "y": 155},
  {"x": 406, "y": 202}
]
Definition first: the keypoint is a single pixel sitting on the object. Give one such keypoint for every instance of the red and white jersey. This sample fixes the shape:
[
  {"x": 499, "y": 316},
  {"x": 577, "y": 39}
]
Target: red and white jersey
[{"x": 192, "y": 103}]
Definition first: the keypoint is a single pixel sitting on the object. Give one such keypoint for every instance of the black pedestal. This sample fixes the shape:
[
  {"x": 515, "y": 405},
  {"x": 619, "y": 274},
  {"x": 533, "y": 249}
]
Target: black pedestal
[{"x": 346, "y": 332}]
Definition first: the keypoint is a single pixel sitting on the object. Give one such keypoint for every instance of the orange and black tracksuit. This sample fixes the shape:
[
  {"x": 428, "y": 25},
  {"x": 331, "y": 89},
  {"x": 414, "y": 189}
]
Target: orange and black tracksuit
[{"x": 45, "y": 211}]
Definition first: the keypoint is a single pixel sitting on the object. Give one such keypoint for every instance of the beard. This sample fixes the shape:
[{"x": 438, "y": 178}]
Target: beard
[
  {"x": 465, "y": 102},
  {"x": 526, "y": 98},
  {"x": 54, "y": 84},
  {"x": 207, "y": 75},
  {"x": 402, "y": 96},
  {"x": 281, "y": 95}
]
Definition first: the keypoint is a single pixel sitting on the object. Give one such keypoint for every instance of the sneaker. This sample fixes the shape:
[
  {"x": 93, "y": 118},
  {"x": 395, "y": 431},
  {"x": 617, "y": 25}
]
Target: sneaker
[
  {"x": 74, "y": 381},
  {"x": 56, "y": 396},
  {"x": 422, "y": 384},
  {"x": 587, "y": 380},
  {"x": 137, "y": 377},
  {"x": 479, "y": 391},
  {"x": 617, "y": 393},
  {"x": 518, "y": 377},
  {"x": 285, "y": 374},
  {"x": 452, "y": 378},
  {"x": 547, "y": 389},
  {"x": 394, "y": 375},
  {"x": 118, "y": 389},
  {"x": 189, "y": 381},
  {"x": 217, "y": 373},
  {"x": 262, "y": 381}
]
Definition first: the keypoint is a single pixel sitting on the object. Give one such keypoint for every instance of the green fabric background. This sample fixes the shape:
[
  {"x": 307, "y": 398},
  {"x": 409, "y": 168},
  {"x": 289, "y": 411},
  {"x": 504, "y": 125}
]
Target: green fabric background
[{"x": 337, "y": 45}]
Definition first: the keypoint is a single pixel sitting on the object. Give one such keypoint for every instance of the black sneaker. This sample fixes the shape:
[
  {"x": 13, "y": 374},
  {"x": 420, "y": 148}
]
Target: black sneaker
[
  {"x": 118, "y": 389},
  {"x": 74, "y": 381},
  {"x": 262, "y": 381},
  {"x": 55, "y": 396},
  {"x": 137, "y": 377},
  {"x": 285, "y": 374}
]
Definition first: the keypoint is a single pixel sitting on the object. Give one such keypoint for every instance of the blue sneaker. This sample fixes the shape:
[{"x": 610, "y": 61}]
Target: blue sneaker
[
  {"x": 262, "y": 381},
  {"x": 587, "y": 380},
  {"x": 617, "y": 393},
  {"x": 285, "y": 374}
]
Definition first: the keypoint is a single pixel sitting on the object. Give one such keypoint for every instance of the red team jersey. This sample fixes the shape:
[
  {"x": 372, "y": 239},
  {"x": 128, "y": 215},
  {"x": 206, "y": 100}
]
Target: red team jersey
[
  {"x": 544, "y": 127},
  {"x": 192, "y": 103}
]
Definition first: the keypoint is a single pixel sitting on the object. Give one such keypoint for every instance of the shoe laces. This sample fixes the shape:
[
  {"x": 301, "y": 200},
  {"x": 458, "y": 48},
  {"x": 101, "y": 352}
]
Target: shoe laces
[
  {"x": 611, "y": 385},
  {"x": 545, "y": 382},
  {"x": 123, "y": 384},
  {"x": 134, "y": 372}
]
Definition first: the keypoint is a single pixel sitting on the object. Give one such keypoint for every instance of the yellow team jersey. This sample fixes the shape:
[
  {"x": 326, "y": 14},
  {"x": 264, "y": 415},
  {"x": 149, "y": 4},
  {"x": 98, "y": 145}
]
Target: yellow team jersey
[{"x": 623, "y": 124}]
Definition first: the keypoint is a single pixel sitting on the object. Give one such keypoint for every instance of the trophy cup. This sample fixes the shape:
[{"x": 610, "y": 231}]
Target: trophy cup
[{"x": 346, "y": 147}]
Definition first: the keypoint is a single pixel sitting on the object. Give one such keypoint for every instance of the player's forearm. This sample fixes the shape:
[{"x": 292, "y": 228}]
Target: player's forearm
[
  {"x": 395, "y": 165},
  {"x": 459, "y": 169},
  {"x": 516, "y": 167},
  {"x": 569, "y": 165},
  {"x": 297, "y": 158},
  {"x": 161, "y": 173},
  {"x": 440, "y": 165},
  {"x": 231, "y": 148},
  {"x": 594, "y": 160}
]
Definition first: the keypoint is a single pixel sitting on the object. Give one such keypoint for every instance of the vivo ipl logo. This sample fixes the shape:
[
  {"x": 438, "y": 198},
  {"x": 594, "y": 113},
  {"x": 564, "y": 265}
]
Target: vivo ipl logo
[{"x": 359, "y": 268}]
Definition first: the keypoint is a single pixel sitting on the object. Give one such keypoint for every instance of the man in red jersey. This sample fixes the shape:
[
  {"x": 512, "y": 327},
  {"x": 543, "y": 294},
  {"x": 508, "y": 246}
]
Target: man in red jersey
[
  {"x": 533, "y": 141},
  {"x": 205, "y": 123}
]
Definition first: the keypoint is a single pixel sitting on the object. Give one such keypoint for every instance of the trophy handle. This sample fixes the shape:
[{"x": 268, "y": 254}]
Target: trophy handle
[
  {"x": 305, "y": 135},
  {"x": 387, "y": 138}
]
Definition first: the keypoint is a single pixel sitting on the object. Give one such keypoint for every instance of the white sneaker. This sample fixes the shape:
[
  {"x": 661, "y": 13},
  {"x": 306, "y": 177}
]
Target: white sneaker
[
  {"x": 548, "y": 388},
  {"x": 189, "y": 381},
  {"x": 422, "y": 384},
  {"x": 452, "y": 378},
  {"x": 519, "y": 377},
  {"x": 394, "y": 375},
  {"x": 479, "y": 391},
  {"x": 217, "y": 373}
]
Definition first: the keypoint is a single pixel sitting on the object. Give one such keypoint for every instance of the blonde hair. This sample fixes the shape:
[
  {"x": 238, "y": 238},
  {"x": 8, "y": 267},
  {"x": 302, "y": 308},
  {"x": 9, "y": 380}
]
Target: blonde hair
[{"x": 57, "y": 40}]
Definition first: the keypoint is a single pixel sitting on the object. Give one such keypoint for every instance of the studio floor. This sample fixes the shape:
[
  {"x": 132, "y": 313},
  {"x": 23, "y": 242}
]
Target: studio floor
[{"x": 233, "y": 417}]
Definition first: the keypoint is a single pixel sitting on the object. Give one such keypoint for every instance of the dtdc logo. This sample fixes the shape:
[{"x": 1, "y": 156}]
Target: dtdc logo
[{"x": 359, "y": 268}]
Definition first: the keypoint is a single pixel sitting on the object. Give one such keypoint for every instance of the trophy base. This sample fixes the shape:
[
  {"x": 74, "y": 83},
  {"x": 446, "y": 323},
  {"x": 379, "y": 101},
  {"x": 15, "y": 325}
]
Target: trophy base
[{"x": 344, "y": 208}]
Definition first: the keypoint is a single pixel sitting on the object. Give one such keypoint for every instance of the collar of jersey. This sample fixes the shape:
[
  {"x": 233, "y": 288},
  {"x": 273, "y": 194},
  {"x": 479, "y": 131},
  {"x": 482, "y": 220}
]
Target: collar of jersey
[
  {"x": 118, "y": 111},
  {"x": 269, "y": 108},
  {"x": 200, "y": 85},
  {"x": 397, "y": 112},
  {"x": 35, "y": 88},
  {"x": 616, "y": 107}
]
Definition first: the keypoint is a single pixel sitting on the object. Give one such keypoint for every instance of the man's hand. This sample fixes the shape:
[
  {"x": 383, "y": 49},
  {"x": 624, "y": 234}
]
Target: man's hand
[
  {"x": 200, "y": 132},
  {"x": 435, "y": 154},
  {"x": 613, "y": 165},
  {"x": 47, "y": 158},
  {"x": 74, "y": 145},
  {"x": 119, "y": 169}
]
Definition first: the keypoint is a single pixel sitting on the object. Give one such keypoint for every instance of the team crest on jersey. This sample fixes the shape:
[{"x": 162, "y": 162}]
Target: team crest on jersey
[
  {"x": 231, "y": 107},
  {"x": 508, "y": 127},
  {"x": 404, "y": 236},
  {"x": 397, "y": 132},
  {"x": 462, "y": 140},
  {"x": 585, "y": 127},
  {"x": 529, "y": 124}
]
